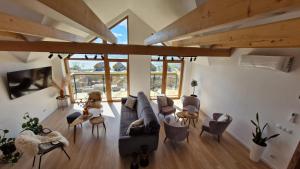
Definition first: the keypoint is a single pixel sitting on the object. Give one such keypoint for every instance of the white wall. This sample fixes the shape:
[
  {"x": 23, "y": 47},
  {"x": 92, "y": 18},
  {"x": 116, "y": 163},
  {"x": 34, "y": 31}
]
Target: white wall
[
  {"x": 225, "y": 87},
  {"x": 39, "y": 104},
  {"x": 139, "y": 65}
]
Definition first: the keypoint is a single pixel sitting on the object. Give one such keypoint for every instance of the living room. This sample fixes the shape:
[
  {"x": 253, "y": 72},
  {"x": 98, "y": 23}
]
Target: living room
[{"x": 141, "y": 85}]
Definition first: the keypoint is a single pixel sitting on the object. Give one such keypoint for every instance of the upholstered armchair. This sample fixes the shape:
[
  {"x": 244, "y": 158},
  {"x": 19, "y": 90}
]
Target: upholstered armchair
[
  {"x": 94, "y": 100},
  {"x": 216, "y": 126},
  {"x": 175, "y": 131},
  {"x": 165, "y": 105},
  {"x": 191, "y": 103}
]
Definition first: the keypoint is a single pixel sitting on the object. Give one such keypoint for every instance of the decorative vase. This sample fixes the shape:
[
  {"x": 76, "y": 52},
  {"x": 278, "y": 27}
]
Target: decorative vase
[{"x": 256, "y": 152}]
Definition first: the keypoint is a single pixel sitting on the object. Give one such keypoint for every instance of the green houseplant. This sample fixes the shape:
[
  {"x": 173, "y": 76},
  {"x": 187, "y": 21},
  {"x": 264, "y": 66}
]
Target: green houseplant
[
  {"x": 194, "y": 83},
  {"x": 259, "y": 140},
  {"x": 32, "y": 124},
  {"x": 8, "y": 148}
]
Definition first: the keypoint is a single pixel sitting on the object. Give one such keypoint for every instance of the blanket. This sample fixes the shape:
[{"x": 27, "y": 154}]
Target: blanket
[{"x": 28, "y": 143}]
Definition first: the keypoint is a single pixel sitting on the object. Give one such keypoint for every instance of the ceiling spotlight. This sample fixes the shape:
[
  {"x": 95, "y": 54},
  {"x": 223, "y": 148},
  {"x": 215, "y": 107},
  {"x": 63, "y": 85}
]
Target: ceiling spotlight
[
  {"x": 182, "y": 58},
  {"x": 69, "y": 55},
  {"x": 195, "y": 58},
  {"x": 95, "y": 56},
  {"x": 158, "y": 59},
  {"x": 86, "y": 57},
  {"x": 50, "y": 56},
  {"x": 172, "y": 58},
  {"x": 60, "y": 57},
  {"x": 102, "y": 57},
  {"x": 191, "y": 59}
]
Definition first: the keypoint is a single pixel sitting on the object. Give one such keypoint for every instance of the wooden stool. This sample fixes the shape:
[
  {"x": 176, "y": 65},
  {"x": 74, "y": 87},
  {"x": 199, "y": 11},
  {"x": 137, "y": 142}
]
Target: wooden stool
[{"x": 95, "y": 121}]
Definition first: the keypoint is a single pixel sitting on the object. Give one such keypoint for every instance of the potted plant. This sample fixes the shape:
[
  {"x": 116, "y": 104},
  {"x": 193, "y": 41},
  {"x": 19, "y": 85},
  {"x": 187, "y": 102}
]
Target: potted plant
[
  {"x": 259, "y": 141},
  {"x": 8, "y": 148},
  {"x": 194, "y": 83},
  {"x": 32, "y": 124}
]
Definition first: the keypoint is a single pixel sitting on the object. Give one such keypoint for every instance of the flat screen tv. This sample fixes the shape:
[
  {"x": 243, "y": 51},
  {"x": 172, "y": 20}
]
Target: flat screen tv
[{"x": 25, "y": 82}]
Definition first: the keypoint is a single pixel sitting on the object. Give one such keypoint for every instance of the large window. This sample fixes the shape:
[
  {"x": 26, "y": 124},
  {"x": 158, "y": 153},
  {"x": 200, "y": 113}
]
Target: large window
[
  {"x": 166, "y": 76},
  {"x": 105, "y": 73}
]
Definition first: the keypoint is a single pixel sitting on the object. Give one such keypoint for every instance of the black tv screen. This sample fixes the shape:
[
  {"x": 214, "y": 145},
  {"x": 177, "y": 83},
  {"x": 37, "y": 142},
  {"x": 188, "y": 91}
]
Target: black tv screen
[{"x": 25, "y": 82}]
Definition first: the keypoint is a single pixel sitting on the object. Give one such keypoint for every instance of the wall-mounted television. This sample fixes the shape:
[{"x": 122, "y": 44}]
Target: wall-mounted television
[{"x": 25, "y": 82}]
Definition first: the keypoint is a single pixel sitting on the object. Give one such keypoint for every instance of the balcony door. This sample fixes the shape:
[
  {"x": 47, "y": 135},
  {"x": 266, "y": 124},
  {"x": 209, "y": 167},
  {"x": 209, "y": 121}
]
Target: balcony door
[{"x": 166, "y": 76}]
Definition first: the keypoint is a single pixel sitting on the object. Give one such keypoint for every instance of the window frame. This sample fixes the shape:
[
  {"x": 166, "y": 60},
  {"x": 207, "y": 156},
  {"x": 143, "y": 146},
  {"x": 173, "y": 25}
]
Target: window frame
[
  {"x": 165, "y": 74},
  {"x": 106, "y": 61}
]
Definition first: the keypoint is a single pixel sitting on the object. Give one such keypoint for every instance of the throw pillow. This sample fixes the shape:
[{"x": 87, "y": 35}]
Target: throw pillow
[
  {"x": 130, "y": 102},
  {"x": 136, "y": 123},
  {"x": 224, "y": 117},
  {"x": 163, "y": 101}
]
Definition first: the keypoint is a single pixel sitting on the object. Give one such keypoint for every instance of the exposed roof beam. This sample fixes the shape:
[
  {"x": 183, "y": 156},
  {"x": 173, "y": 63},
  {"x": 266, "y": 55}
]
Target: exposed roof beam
[
  {"x": 94, "y": 48},
  {"x": 11, "y": 36},
  {"x": 284, "y": 34},
  {"x": 78, "y": 11},
  {"x": 9, "y": 23},
  {"x": 217, "y": 13}
]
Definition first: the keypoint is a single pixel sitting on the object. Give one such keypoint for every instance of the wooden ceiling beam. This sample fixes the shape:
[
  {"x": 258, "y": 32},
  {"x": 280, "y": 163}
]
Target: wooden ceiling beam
[
  {"x": 219, "y": 13},
  {"x": 11, "y": 36},
  {"x": 94, "y": 48},
  {"x": 9, "y": 23},
  {"x": 284, "y": 34},
  {"x": 78, "y": 11}
]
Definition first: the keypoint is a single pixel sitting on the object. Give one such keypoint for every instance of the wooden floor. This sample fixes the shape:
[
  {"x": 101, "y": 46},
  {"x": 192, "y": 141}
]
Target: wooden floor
[{"x": 91, "y": 152}]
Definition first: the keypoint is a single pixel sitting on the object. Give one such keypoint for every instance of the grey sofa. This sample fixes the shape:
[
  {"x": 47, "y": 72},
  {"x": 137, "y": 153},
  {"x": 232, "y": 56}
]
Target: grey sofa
[{"x": 150, "y": 134}]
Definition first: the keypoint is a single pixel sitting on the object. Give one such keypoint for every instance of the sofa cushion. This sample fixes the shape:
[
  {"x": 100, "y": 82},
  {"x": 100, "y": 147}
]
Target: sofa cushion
[
  {"x": 168, "y": 109},
  {"x": 142, "y": 103},
  {"x": 72, "y": 117},
  {"x": 163, "y": 100},
  {"x": 190, "y": 108},
  {"x": 127, "y": 117}
]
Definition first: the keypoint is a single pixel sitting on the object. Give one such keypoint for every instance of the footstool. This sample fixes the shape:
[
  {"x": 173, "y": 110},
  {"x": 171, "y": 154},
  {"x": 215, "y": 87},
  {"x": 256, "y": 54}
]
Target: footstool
[
  {"x": 72, "y": 117},
  {"x": 95, "y": 121}
]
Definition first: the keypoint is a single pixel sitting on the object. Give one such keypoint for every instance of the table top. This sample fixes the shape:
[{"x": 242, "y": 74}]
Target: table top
[
  {"x": 186, "y": 114},
  {"x": 81, "y": 119}
]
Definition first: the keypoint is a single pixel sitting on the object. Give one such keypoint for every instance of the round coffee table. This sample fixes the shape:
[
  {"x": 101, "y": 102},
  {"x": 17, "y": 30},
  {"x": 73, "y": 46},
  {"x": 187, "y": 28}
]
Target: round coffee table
[
  {"x": 187, "y": 116},
  {"x": 95, "y": 121}
]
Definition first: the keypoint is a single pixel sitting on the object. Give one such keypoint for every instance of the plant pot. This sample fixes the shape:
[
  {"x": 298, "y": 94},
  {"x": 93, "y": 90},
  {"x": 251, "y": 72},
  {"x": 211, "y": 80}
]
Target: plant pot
[{"x": 256, "y": 152}]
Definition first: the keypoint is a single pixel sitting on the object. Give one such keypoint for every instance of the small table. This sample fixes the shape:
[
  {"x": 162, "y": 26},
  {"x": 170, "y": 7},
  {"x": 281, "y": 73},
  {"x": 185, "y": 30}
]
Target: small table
[
  {"x": 80, "y": 120},
  {"x": 189, "y": 116}
]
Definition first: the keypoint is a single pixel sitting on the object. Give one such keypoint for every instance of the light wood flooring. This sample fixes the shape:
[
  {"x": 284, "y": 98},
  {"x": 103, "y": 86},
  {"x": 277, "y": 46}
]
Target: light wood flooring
[{"x": 91, "y": 152}]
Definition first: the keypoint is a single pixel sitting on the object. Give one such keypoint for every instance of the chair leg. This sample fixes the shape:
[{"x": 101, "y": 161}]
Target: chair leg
[
  {"x": 104, "y": 126},
  {"x": 187, "y": 139},
  {"x": 62, "y": 148},
  {"x": 93, "y": 129},
  {"x": 40, "y": 161},
  {"x": 165, "y": 139},
  {"x": 33, "y": 161},
  {"x": 97, "y": 130},
  {"x": 218, "y": 138},
  {"x": 201, "y": 132},
  {"x": 194, "y": 123}
]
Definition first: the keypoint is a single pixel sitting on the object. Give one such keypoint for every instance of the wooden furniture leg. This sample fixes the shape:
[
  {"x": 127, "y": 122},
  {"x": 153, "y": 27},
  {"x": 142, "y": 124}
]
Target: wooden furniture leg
[{"x": 74, "y": 133}]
